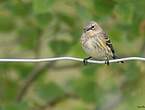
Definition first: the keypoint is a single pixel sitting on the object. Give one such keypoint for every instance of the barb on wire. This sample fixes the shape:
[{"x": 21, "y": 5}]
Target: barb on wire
[{"x": 32, "y": 60}]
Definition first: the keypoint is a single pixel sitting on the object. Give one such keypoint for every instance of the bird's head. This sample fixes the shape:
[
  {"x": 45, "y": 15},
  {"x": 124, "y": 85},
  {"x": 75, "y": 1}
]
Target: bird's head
[{"x": 92, "y": 26}]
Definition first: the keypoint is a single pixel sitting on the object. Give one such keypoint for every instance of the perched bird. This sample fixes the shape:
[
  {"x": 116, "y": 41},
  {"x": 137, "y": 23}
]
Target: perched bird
[{"x": 96, "y": 43}]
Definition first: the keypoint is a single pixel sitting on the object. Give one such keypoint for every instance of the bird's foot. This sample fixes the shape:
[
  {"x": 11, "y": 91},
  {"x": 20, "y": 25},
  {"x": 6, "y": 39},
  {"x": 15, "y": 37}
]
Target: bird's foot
[
  {"x": 85, "y": 60},
  {"x": 107, "y": 62}
]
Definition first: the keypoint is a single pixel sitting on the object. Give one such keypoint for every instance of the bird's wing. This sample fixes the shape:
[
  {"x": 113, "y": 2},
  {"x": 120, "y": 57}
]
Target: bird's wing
[{"x": 104, "y": 37}]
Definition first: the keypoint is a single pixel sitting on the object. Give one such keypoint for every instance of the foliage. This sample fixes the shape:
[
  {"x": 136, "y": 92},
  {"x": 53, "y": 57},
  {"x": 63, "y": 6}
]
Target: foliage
[{"x": 48, "y": 28}]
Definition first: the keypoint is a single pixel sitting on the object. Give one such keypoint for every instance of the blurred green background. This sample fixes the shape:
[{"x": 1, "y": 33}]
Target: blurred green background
[{"x": 51, "y": 28}]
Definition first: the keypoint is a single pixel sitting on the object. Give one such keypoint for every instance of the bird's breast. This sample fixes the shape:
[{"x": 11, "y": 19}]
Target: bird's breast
[
  {"x": 90, "y": 33},
  {"x": 92, "y": 49}
]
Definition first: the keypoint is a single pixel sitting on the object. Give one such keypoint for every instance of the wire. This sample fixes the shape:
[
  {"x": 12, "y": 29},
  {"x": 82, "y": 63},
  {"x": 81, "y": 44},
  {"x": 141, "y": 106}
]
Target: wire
[{"x": 32, "y": 60}]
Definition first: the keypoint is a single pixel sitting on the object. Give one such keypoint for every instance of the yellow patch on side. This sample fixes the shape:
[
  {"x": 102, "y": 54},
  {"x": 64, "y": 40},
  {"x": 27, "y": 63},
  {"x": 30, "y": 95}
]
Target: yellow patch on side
[{"x": 102, "y": 43}]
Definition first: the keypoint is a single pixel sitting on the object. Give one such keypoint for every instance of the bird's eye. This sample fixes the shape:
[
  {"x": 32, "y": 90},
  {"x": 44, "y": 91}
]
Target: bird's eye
[{"x": 93, "y": 27}]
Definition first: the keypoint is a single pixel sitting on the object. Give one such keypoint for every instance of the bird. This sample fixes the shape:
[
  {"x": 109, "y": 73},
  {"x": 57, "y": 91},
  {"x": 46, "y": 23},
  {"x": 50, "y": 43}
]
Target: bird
[{"x": 96, "y": 43}]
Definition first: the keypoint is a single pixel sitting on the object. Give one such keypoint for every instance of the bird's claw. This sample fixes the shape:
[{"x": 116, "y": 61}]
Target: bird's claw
[
  {"x": 107, "y": 62},
  {"x": 85, "y": 62}
]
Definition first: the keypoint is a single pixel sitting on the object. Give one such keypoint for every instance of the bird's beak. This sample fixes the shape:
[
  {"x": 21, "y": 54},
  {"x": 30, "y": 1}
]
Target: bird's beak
[{"x": 89, "y": 29}]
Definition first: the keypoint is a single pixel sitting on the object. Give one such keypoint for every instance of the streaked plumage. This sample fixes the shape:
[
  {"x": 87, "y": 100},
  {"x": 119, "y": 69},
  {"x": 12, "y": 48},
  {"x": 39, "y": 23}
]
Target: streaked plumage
[{"x": 96, "y": 43}]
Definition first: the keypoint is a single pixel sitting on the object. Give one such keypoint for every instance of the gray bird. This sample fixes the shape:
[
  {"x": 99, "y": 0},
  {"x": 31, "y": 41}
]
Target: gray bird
[{"x": 96, "y": 43}]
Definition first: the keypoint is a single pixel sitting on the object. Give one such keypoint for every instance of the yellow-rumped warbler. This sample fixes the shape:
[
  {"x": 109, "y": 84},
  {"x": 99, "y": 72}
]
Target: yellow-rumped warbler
[{"x": 96, "y": 43}]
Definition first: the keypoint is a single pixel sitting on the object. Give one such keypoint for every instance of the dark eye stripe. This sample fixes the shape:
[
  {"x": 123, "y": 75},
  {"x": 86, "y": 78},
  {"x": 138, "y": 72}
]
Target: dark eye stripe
[{"x": 90, "y": 28}]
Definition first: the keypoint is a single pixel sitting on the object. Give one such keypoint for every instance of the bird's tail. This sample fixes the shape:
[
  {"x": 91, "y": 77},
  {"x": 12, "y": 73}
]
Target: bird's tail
[{"x": 116, "y": 57}]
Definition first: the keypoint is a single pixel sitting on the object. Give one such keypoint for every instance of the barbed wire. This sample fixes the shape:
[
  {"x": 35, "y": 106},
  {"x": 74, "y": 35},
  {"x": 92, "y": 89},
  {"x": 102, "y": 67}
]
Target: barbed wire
[{"x": 33, "y": 60}]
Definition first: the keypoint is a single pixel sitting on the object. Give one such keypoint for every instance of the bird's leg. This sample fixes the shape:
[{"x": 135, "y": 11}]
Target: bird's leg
[
  {"x": 85, "y": 60},
  {"x": 107, "y": 61}
]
